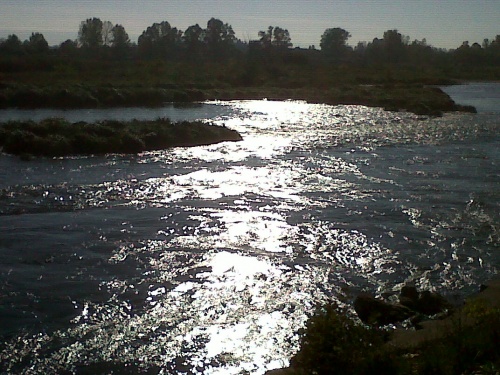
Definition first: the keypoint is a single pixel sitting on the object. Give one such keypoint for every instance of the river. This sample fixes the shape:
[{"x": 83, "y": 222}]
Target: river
[{"x": 208, "y": 260}]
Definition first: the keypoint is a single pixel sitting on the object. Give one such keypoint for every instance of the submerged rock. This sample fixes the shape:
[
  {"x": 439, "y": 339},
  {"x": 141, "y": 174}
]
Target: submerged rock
[
  {"x": 412, "y": 303},
  {"x": 425, "y": 302}
]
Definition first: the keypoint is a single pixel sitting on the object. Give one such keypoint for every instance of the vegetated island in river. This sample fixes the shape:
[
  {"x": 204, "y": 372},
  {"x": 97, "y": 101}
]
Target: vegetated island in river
[
  {"x": 58, "y": 137},
  {"x": 417, "y": 98}
]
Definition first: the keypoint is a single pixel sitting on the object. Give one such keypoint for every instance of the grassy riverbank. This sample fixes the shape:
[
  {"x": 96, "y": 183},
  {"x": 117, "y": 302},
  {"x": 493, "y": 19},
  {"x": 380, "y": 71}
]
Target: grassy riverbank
[
  {"x": 74, "y": 84},
  {"x": 58, "y": 137},
  {"x": 414, "y": 98}
]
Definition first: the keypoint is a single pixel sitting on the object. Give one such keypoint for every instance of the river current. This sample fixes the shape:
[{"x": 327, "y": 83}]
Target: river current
[{"x": 208, "y": 260}]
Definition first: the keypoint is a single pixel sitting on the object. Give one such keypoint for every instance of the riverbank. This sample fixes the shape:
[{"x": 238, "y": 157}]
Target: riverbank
[
  {"x": 58, "y": 137},
  {"x": 416, "y": 98},
  {"x": 463, "y": 342}
]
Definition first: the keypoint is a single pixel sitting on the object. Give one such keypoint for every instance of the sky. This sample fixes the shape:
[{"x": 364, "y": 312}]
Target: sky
[{"x": 443, "y": 23}]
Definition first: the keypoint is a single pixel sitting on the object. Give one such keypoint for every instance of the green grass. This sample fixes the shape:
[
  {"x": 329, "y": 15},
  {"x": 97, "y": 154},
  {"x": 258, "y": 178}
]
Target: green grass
[{"x": 58, "y": 137}]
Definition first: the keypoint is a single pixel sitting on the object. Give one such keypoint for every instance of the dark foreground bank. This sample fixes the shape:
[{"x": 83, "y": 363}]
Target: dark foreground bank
[
  {"x": 464, "y": 342},
  {"x": 416, "y": 98},
  {"x": 58, "y": 137}
]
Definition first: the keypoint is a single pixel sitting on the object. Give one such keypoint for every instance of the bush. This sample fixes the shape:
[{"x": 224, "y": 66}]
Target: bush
[
  {"x": 333, "y": 343},
  {"x": 471, "y": 343},
  {"x": 57, "y": 137}
]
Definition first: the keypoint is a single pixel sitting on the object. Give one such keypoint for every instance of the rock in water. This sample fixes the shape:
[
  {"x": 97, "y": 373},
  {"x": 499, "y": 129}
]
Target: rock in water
[{"x": 377, "y": 312}]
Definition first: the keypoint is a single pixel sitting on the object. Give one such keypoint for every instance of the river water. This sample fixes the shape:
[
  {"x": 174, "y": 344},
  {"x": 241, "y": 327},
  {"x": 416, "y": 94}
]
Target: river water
[{"x": 208, "y": 260}]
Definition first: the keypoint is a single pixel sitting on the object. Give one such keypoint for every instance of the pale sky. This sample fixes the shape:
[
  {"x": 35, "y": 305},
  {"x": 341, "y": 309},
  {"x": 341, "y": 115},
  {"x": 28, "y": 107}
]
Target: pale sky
[{"x": 444, "y": 23}]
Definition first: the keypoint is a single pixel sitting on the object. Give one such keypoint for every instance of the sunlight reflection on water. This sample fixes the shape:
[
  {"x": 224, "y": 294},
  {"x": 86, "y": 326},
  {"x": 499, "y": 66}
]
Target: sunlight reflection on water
[{"x": 209, "y": 259}]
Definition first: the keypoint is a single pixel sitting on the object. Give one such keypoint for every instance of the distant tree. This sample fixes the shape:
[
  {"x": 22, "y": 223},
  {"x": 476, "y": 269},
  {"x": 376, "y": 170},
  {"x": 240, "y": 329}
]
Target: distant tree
[
  {"x": 394, "y": 46},
  {"x": 374, "y": 52},
  {"x": 281, "y": 38},
  {"x": 420, "y": 53},
  {"x": 11, "y": 45},
  {"x": 334, "y": 43},
  {"x": 107, "y": 33},
  {"x": 68, "y": 47},
  {"x": 120, "y": 41},
  {"x": 496, "y": 42},
  {"x": 220, "y": 38},
  {"x": 361, "y": 47},
  {"x": 159, "y": 40},
  {"x": 493, "y": 51},
  {"x": 120, "y": 38},
  {"x": 472, "y": 55},
  {"x": 275, "y": 36},
  {"x": 36, "y": 44},
  {"x": 194, "y": 40},
  {"x": 90, "y": 33},
  {"x": 266, "y": 37}
]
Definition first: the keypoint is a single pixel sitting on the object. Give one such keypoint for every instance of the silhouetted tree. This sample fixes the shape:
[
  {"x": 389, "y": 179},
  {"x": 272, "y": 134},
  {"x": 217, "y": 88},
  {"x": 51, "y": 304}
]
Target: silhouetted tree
[
  {"x": 68, "y": 47},
  {"x": 419, "y": 53},
  {"x": 394, "y": 46},
  {"x": 266, "y": 37},
  {"x": 493, "y": 51},
  {"x": 159, "y": 40},
  {"x": 334, "y": 43},
  {"x": 120, "y": 41},
  {"x": 220, "y": 38},
  {"x": 194, "y": 40},
  {"x": 11, "y": 45},
  {"x": 90, "y": 33},
  {"x": 275, "y": 36},
  {"x": 107, "y": 33},
  {"x": 120, "y": 38},
  {"x": 36, "y": 44},
  {"x": 281, "y": 38}
]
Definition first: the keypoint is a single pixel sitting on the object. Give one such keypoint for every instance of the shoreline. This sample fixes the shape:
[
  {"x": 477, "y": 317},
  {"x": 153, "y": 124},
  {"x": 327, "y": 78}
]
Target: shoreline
[
  {"x": 417, "y": 98},
  {"x": 58, "y": 138},
  {"x": 460, "y": 336}
]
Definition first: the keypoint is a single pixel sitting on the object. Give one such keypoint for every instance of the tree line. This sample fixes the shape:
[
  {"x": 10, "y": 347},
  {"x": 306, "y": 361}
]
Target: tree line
[{"x": 217, "y": 41}]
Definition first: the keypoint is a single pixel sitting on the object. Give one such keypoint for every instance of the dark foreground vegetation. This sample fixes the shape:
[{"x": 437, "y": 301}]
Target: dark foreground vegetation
[
  {"x": 465, "y": 342},
  {"x": 57, "y": 137},
  {"x": 103, "y": 67}
]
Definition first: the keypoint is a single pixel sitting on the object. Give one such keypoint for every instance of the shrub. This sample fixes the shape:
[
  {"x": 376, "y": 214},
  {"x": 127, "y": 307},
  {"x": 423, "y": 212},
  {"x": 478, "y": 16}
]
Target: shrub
[
  {"x": 471, "y": 343},
  {"x": 333, "y": 343}
]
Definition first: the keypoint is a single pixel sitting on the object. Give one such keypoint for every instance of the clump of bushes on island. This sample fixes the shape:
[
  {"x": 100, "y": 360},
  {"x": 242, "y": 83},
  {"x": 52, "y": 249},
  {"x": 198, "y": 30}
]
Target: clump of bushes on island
[
  {"x": 57, "y": 137},
  {"x": 82, "y": 96},
  {"x": 415, "y": 98}
]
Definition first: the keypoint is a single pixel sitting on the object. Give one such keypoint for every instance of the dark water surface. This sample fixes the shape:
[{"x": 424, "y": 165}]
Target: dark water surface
[{"x": 208, "y": 260}]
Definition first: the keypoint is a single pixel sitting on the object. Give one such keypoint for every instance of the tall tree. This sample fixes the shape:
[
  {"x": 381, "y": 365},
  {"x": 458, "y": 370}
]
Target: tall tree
[
  {"x": 220, "y": 38},
  {"x": 266, "y": 37},
  {"x": 194, "y": 40},
  {"x": 68, "y": 47},
  {"x": 394, "y": 46},
  {"x": 36, "y": 43},
  {"x": 120, "y": 38},
  {"x": 12, "y": 45},
  {"x": 90, "y": 33},
  {"x": 120, "y": 41},
  {"x": 334, "y": 43},
  {"x": 159, "y": 40},
  {"x": 281, "y": 38},
  {"x": 275, "y": 36},
  {"x": 107, "y": 33}
]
